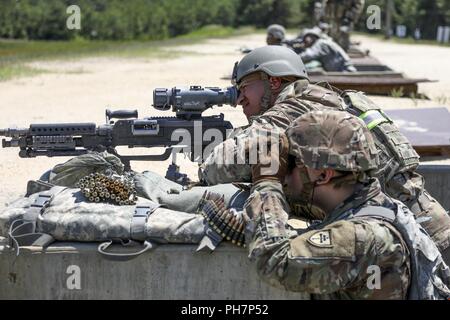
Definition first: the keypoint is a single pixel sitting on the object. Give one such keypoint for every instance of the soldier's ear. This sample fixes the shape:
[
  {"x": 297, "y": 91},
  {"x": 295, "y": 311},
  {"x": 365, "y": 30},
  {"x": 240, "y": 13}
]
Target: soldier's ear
[
  {"x": 275, "y": 83},
  {"x": 325, "y": 176}
]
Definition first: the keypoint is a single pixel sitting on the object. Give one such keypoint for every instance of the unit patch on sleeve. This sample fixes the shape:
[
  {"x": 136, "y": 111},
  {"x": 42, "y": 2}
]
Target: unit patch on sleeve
[{"x": 321, "y": 239}]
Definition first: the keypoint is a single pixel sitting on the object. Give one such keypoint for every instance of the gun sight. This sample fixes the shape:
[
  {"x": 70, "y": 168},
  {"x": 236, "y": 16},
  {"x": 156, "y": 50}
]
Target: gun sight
[{"x": 192, "y": 101}]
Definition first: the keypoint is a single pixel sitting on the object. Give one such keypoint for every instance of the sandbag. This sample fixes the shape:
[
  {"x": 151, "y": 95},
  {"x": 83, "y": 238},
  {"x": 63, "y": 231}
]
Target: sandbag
[
  {"x": 155, "y": 187},
  {"x": 148, "y": 185},
  {"x": 69, "y": 217},
  {"x": 69, "y": 173}
]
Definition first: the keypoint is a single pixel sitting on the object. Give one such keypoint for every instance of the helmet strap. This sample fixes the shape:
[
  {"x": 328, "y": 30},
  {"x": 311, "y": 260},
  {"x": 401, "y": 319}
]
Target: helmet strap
[
  {"x": 302, "y": 205},
  {"x": 266, "y": 99}
]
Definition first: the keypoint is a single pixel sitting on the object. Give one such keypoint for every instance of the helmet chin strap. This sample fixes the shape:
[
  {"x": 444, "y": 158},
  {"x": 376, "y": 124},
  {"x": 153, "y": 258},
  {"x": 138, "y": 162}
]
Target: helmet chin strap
[{"x": 268, "y": 97}]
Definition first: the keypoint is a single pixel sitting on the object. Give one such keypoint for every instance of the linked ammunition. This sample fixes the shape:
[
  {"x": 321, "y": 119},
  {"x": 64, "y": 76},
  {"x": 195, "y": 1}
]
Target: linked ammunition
[{"x": 97, "y": 187}]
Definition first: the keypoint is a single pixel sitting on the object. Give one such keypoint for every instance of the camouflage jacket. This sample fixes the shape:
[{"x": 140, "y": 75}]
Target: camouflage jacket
[
  {"x": 343, "y": 12},
  {"x": 329, "y": 54},
  {"x": 295, "y": 100},
  {"x": 336, "y": 259}
]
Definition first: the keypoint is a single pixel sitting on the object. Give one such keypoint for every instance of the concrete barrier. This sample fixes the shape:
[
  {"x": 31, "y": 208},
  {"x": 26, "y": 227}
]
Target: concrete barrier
[{"x": 168, "y": 272}]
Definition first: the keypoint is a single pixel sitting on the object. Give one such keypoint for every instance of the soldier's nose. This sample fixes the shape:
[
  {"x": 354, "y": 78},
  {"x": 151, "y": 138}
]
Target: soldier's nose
[{"x": 240, "y": 99}]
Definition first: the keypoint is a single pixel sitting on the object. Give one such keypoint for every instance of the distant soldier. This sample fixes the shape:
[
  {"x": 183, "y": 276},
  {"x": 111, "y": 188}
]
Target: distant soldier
[
  {"x": 324, "y": 50},
  {"x": 275, "y": 34},
  {"x": 275, "y": 90},
  {"x": 342, "y": 15},
  {"x": 368, "y": 246}
]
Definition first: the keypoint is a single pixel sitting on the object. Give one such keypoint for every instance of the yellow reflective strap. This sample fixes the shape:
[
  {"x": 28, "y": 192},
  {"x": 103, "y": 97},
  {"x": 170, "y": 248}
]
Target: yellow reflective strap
[{"x": 372, "y": 118}]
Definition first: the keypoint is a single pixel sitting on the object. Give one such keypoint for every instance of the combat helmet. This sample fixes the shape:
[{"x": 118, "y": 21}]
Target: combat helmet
[
  {"x": 265, "y": 62},
  {"x": 276, "y": 32},
  {"x": 316, "y": 32},
  {"x": 333, "y": 139},
  {"x": 275, "y": 61}
]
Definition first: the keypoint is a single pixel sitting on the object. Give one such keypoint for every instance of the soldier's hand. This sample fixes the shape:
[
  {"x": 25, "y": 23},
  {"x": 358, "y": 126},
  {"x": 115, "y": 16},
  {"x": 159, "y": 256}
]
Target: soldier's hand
[{"x": 273, "y": 161}]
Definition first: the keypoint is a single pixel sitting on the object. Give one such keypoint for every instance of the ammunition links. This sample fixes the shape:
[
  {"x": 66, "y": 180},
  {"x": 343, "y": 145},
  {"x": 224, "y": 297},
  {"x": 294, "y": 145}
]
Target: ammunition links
[{"x": 223, "y": 221}]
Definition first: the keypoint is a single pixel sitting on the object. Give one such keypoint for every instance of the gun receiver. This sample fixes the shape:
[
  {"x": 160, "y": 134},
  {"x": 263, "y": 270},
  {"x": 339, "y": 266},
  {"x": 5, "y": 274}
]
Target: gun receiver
[{"x": 187, "y": 132}]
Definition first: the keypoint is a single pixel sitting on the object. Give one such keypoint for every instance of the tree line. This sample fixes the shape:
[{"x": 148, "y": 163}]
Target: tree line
[
  {"x": 425, "y": 15},
  {"x": 160, "y": 19}
]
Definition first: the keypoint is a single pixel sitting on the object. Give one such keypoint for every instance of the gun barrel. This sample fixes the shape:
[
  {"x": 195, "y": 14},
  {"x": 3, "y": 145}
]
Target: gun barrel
[{"x": 13, "y": 132}]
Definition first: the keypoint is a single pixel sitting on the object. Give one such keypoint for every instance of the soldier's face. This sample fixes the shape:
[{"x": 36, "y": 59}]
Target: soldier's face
[
  {"x": 309, "y": 41},
  {"x": 293, "y": 183},
  {"x": 250, "y": 97},
  {"x": 271, "y": 40}
]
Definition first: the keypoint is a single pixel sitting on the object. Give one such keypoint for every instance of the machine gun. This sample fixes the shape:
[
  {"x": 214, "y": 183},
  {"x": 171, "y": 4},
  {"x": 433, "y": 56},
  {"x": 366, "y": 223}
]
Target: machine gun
[
  {"x": 73, "y": 139},
  {"x": 296, "y": 44}
]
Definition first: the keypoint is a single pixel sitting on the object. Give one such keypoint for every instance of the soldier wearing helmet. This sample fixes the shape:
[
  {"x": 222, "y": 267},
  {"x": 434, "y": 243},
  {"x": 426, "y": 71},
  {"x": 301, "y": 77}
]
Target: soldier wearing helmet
[
  {"x": 275, "y": 90},
  {"x": 331, "y": 155},
  {"x": 324, "y": 50},
  {"x": 275, "y": 34}
]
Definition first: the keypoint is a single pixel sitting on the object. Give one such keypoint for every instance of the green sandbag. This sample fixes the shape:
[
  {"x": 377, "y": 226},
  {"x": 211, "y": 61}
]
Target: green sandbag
[
  {"x": 70, "y": 218},
  {"x": 69, "y": 173},
  {"x": 156, "y": 188}
]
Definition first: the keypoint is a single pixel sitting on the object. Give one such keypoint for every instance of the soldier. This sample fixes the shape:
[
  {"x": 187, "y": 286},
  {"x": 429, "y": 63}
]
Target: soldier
[
  {"x": 326, "y": 51},
  {"x": 342, "y": 15},
  {"x": 368, "y": 246},
  {"x": 275, "y": 90},
  {"x": 275, "y": 34}
]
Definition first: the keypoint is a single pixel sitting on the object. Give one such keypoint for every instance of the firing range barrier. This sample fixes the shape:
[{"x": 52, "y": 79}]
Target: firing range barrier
[{"x": 168, "y": 272}]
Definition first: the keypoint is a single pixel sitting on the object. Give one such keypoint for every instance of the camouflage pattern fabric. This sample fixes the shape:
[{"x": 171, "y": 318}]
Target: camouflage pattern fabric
[
  {"x": 332, "y": 139},
  {"x": 331, "y": 56},
  {"x": 331, "y": 260},
  {"x": 70, "y": 218},
  {"x": 230, "y": 161},
  {"x": 397, "y": 173},
  {"x": 342, "y": 15},
  {"x": 158, "y": 189},
  {"x": 69, "y": 173}
]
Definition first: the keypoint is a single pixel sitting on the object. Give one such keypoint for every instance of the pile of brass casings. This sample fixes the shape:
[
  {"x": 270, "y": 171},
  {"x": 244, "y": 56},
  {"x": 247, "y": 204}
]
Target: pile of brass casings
[
  {"x": 118, "y": 190},
  {"x": 222, "y": 220}
]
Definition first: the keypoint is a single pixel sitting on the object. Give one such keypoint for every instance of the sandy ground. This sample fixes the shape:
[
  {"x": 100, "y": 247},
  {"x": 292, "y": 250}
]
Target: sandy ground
[{"x": 81, "y": 90}]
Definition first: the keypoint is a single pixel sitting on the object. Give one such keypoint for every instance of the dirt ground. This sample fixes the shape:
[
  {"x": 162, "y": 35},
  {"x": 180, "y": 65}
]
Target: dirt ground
[{"x": 81, "y": 90}]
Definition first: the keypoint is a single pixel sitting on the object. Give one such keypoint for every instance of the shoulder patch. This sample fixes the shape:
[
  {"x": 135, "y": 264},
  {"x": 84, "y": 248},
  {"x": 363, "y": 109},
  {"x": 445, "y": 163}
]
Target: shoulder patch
[{"x": 321, "y": 238}]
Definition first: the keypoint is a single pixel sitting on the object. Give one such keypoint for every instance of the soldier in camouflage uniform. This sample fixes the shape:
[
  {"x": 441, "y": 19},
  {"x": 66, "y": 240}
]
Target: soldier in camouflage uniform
[
  {"x": 327, "y": 156},
  {"x": 326, "y": 51},
  {"x": 342, "y": 15},
  {"x": 275, "y": 90}
]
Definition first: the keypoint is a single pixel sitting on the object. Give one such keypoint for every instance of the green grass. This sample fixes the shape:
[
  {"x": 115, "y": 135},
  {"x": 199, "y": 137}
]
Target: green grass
[
  {"x": 18, "y": 70},
  {"x": 16, "y": 54}
]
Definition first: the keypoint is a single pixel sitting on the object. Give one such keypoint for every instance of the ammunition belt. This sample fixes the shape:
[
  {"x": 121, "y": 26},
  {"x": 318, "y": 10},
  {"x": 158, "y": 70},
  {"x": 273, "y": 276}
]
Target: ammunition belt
[{"x": 119, "y": 190}]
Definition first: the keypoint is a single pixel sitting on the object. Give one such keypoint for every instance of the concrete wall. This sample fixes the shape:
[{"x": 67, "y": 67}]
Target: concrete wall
[{"x": 168, "y": 272}]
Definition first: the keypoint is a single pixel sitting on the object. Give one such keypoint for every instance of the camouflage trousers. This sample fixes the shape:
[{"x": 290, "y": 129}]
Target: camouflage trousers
[{"x": 409, "y": 187}]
